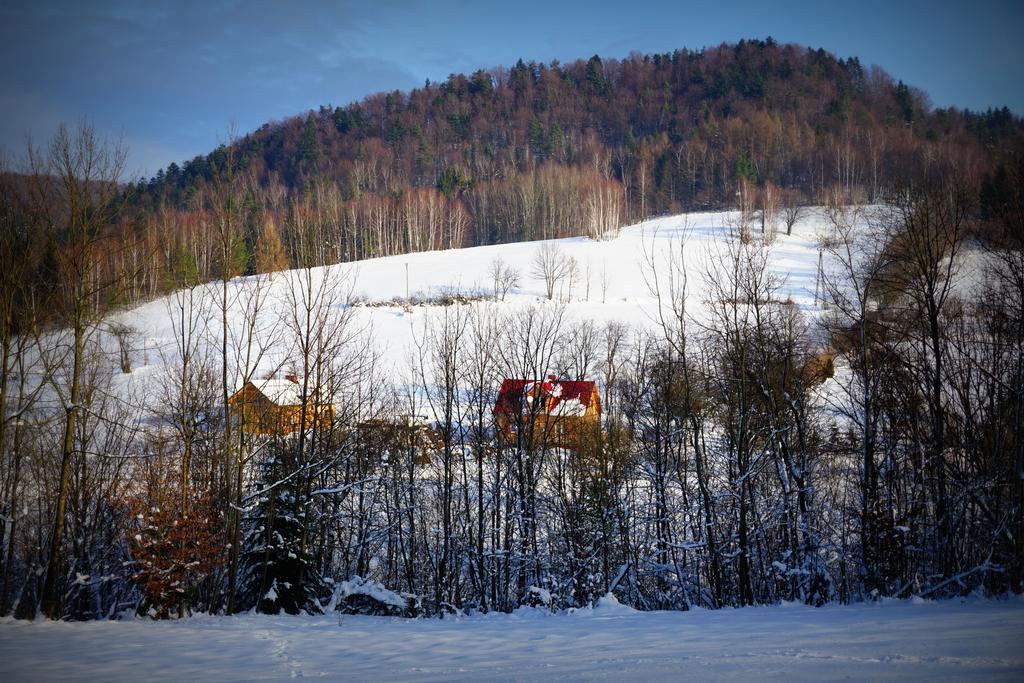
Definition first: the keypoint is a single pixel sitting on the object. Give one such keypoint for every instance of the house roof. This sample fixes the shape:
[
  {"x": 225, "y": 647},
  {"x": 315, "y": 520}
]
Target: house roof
[
  {"x": 282, "y": 392},
  {"x": 568, "y": 398}
]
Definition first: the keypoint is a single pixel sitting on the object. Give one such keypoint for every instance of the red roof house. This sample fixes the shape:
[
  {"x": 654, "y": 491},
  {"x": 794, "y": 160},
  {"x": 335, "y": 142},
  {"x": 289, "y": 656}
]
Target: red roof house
[{"x": 554, "y": 411}]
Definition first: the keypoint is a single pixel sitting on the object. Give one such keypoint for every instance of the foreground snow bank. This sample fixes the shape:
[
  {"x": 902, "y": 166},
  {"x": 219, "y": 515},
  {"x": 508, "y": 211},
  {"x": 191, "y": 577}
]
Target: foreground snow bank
[{"x": 894, "y": 640}]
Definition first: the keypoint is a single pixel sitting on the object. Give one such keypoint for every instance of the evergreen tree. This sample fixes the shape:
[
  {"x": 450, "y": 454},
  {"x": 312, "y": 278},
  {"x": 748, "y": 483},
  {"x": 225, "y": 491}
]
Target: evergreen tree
[
  {"x": 539, "y": 141},
  {"x": 182, "y": 271},
  {"x": 745, "y": 168},
  {"x": 595, "y": 76},
  {"x": 450, "y": 182},
  {"x": 309, "y": 152},
  {"x": 277, "y": 573}
]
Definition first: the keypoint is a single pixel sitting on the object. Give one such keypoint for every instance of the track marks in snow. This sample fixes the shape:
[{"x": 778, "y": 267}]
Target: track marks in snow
[{"x": 279, "y": 647}]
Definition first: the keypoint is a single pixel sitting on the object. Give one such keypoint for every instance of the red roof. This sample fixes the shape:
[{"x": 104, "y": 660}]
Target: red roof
[{"x": 560, "y": 394}]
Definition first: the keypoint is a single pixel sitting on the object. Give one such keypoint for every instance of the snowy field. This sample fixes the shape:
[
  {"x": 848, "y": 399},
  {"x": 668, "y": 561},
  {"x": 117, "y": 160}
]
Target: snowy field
[
  {"x": 611, "y": 285},
  {"x": 952, "y": 640}
]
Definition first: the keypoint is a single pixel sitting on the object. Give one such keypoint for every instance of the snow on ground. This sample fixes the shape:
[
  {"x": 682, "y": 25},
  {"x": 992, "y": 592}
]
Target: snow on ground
[
  {"x": 950, "y": 640},
  {"x": 895, "y": 640},
  {"x": 611, "y": 286}
]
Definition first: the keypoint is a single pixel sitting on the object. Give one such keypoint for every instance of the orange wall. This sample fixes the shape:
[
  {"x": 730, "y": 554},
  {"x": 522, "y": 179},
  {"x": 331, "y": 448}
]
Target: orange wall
[{"x": 263, "y": 417}]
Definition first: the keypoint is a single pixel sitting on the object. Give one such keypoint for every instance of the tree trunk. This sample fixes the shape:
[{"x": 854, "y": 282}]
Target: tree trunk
[{"x": 52, "y": 603}]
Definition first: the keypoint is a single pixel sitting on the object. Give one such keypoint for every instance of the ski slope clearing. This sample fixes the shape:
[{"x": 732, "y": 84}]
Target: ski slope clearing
[{"x": 953, "y": 640}]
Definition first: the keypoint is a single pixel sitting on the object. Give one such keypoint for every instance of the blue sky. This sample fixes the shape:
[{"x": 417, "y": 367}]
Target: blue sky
[{"x": 171, "y": 77}]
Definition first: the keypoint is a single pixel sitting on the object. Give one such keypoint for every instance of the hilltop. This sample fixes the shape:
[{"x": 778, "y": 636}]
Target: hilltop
[{"x": 535, "y": 151}]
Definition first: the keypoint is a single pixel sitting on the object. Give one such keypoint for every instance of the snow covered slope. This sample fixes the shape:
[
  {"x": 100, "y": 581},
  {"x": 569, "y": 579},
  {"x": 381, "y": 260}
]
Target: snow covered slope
[
  {"x": 611, "y": 284},
  {"x": 951, "y": 640}
]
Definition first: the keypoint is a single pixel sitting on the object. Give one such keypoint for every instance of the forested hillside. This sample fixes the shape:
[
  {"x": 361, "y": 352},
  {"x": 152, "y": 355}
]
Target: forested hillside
[{"x": 547, "y": 150}]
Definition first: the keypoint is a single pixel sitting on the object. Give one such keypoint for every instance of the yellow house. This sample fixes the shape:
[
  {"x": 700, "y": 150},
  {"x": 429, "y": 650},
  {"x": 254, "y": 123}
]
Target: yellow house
[{"x": 274, "y": 406}]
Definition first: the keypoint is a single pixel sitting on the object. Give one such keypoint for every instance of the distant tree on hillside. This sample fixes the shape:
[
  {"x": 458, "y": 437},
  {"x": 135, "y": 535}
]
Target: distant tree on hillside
[{"x": 551, "y": 266}]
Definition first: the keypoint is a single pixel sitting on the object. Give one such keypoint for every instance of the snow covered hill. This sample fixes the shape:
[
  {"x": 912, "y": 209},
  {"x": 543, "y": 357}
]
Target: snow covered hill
[
  {"x": 927, "y": 641},
  {"x": 611, "y": 284}
]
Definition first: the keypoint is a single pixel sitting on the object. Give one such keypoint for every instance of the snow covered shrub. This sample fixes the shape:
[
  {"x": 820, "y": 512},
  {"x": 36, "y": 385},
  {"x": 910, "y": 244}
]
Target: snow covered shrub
[
  {"x": 277, "y": 573},
  {"x": 363, "y": 596},
  {"x": 538, "y": 597}
]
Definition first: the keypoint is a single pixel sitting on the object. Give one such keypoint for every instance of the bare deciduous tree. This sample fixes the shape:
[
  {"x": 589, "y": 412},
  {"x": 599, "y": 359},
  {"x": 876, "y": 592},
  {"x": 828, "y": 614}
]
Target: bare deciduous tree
[
  {"x": 75, "y": 187},
  {"x": 125, "y": 336},
  {"x": 550, "y": 265},
  {"x": 792, "y": 210},
  {"x": 747, "y": 196},
  {"x": 504, "y": 278},
  {"x": 769, "y": 211}
]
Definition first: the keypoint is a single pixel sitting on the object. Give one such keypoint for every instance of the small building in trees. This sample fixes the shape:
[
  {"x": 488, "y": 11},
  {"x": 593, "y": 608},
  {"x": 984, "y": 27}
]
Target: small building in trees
[
  {"x": 404, "y": 432},
  {"x": 274, "y": 406},
  {"x": 558, "y": 413}
]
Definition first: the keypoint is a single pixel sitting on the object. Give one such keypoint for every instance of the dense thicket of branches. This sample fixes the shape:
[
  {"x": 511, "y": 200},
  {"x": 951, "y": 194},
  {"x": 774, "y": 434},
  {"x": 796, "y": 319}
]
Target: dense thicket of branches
[{"x": 748, "y": 457}]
